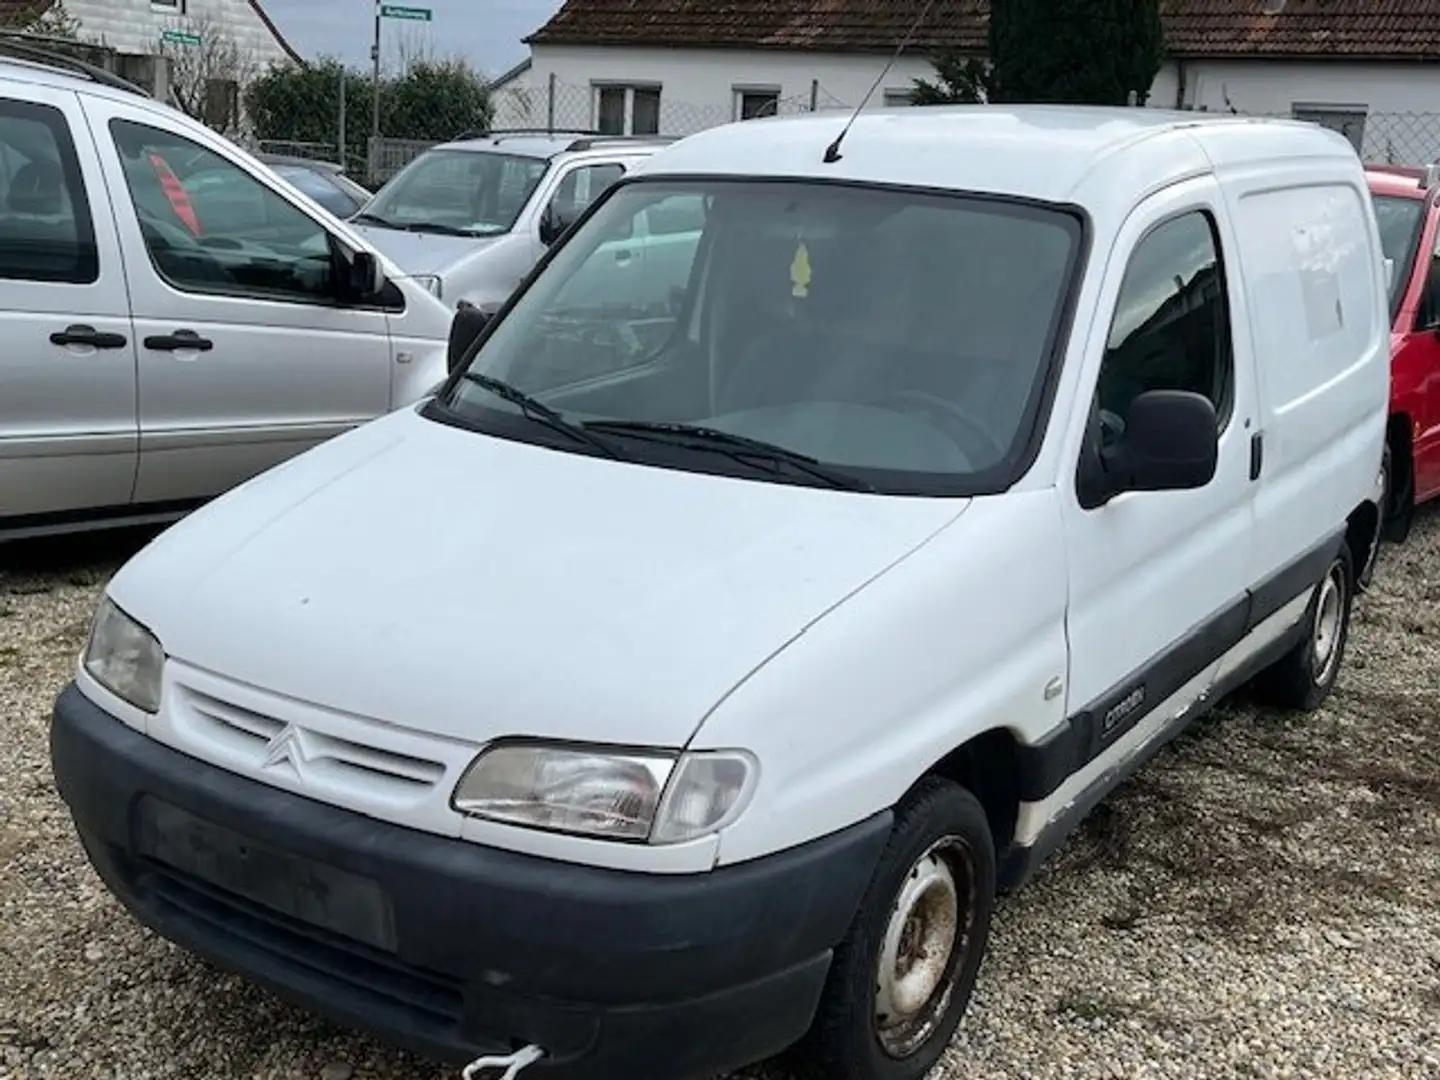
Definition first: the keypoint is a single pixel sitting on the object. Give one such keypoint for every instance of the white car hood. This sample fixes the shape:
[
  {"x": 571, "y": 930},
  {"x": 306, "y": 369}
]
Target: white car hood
[
  {"x": 423, "y": 253},
  {"x": 473, "y": 587}
]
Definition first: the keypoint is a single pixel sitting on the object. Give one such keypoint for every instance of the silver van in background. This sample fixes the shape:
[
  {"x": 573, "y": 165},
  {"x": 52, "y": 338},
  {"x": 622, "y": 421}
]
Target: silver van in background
[{"x": 177, "y": 317}]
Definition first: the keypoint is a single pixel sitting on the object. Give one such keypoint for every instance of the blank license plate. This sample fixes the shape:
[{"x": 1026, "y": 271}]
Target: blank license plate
[{"x": 309, "y": 892}]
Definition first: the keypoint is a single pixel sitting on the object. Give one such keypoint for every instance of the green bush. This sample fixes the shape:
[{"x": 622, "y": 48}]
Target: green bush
[{"x": 431, "y": 100}]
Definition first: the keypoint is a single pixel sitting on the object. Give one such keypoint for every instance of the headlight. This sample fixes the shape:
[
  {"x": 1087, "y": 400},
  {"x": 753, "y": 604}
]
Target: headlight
[
  {"x": 432, "y": 284},
  {"x": 610, "y": 794},
  {"x": 124, "y": 657}
]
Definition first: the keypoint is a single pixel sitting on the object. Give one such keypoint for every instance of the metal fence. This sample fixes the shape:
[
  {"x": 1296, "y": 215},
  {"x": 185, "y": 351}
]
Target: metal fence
[
  {"x": 311, "y": 151},
  {"x": 1403, "y": 138},
  {"x": 560, "y": 106}
]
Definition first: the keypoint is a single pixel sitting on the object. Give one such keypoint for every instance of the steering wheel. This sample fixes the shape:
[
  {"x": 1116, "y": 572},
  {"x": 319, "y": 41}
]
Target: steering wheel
[{"x": 965, "y": 431}]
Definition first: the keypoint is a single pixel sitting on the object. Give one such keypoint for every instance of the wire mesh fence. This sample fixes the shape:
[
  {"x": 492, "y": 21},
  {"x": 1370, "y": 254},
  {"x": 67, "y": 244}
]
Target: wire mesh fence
[
  {"x": 311, "y": 151},
  {"x": 616, "y": 109},
  {"x": 1399, "y": 138}
]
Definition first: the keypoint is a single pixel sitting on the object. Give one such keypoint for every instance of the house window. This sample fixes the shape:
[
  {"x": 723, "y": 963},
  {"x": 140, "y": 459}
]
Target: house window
[
  {"x": 896, "y": 99},
  {"x": 750, "y": 104},
  {"x": 1348, "y": 120},
  {"x": 627, "y": 110}
]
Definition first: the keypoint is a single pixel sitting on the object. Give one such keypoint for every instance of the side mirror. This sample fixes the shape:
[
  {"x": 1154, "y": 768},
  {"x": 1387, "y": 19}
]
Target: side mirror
[
  {"x": 1170, "y": 443},
  {"x": 467, "y": 325},
  {"x": 552, "y": 225},
  {"x": 363, "y": 278}
]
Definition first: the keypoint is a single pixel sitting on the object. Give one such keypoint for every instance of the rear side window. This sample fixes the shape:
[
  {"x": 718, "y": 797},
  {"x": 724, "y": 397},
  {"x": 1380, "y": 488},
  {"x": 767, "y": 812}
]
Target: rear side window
[
  {"x": 46, "y": 232},
  {"x": 1171, "y": 329},
  {"x": 212, "y": 227}
]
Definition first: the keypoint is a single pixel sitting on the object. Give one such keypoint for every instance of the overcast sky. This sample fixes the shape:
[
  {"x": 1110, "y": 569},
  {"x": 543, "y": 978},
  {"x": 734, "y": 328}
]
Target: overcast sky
[{"x": 486, "y": 32}]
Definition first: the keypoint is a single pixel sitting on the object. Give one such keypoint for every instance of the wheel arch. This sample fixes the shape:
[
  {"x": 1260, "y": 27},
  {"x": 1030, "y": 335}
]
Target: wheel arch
[{"x": 988, "y": 766}]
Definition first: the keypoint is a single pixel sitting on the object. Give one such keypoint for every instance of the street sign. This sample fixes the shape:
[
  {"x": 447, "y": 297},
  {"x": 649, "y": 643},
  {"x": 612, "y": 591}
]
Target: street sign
[
  {"x": 415, "y": 14},
  {"x": 179, "y": 37}
]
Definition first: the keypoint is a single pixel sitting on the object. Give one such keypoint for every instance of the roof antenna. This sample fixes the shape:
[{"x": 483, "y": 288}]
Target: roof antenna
[{"x": 832, "y": 152}]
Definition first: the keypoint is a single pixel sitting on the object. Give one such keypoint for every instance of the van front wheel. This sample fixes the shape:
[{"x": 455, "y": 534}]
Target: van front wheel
[{"x": 900, "y": 981}]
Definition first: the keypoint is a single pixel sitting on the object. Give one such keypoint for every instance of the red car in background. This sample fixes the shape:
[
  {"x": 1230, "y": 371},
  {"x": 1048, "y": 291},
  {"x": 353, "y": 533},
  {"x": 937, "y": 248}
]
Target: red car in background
[{"x": 1407, "y": 207}]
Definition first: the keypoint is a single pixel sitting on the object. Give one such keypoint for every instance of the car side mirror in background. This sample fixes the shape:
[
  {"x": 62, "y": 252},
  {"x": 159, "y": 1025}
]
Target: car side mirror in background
[
  {"x": 1171, "y": 442},
  {"x": 552, "y": 225},
  {"x": 364, "y": 277},
  {"x": 467, "y": 325}
]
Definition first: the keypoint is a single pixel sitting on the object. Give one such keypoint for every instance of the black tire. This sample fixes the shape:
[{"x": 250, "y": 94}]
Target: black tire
[
  {"x": 1302, "y": 679},
  {"x": 1372, "y": 555},
  {"x": 1399, "y": 508},
  {"x": 847, "y": 1038}
]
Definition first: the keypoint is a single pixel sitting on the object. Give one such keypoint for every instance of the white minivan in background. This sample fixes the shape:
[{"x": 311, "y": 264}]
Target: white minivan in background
[
  {"x": 177, "y": 318},
  {"x": 769, "y": 622}
]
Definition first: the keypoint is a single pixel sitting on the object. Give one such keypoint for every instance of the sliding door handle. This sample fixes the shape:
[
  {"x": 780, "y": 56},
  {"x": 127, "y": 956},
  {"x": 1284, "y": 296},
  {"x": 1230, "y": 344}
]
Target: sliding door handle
[{"x": 178, "y": 341}]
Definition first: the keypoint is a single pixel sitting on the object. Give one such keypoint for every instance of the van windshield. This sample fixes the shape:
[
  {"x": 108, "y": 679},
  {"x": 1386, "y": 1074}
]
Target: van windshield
[
  {"x": 898, "y": 339},
  {"x": 470, "y": 192}
]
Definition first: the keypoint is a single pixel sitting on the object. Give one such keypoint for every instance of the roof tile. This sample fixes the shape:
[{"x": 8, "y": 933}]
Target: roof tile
[{"x": 1375, "y": 29}]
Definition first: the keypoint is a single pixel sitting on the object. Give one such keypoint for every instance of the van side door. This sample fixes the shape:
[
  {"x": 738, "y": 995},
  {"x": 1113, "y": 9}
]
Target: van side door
[
  {"x": 67, "y": 371},
  {"x": 1320, "y": 320},
  {"x": 248, "y": 353},
  {"x": 1158, "y": 579}
]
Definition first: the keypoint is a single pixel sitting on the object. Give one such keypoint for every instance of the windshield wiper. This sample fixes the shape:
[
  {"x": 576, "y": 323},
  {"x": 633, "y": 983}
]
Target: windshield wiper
[
  {"x": 367, "y": 218},
  {"x": 434, "y": 227},
  {"x": 538, "y": 411},
  {"x": 738, "y": 447}
]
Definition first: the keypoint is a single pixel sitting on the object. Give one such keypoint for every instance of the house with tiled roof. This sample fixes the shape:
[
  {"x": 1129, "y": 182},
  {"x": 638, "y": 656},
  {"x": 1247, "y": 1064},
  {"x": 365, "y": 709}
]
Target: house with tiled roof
[{"x": 1370, "y": 68}]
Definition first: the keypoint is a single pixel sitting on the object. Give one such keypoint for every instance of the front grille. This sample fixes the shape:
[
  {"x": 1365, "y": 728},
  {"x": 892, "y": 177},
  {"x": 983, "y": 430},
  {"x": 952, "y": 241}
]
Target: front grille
[
  {"x": 247, "y": 734},
  {"x": 365, "y": 978}
]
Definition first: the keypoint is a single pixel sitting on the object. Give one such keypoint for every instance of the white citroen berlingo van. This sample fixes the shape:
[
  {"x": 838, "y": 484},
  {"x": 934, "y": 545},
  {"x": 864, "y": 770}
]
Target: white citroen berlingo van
[{"x": 682, "y": 682}]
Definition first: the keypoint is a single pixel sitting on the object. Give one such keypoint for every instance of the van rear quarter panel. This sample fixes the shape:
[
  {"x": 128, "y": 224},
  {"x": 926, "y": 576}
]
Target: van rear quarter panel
[{"x": 1311, "y": 262}]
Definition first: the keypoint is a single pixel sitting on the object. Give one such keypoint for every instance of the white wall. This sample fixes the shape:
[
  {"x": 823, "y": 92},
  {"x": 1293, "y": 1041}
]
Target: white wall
[
  {"x": 134, "y": 26},
  {"x": 1402, "y": 101},
  {"x": 698, "y": 85}
]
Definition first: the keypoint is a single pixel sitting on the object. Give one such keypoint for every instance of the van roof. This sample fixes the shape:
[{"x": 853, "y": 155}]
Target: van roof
[{"x": 1032, "y": 151}]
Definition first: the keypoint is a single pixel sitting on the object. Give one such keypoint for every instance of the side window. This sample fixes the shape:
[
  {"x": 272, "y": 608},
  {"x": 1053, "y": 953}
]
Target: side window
[
  {"x": 211, "y": 227},
  {"x": 1428, "y": 317},
  {"x": 1171, "y": 329},
  {"x": 581, "y": 187},
  {"x": 46, "y": 232}
]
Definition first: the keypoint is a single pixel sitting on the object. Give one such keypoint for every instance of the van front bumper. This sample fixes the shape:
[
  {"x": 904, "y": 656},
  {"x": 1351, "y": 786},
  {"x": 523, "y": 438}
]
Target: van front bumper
[{"x": 452, "y": 949}]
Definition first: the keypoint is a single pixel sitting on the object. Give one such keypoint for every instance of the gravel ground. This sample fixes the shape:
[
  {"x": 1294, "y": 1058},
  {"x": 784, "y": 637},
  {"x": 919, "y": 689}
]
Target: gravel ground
[{"x": 1262, "y": 901}]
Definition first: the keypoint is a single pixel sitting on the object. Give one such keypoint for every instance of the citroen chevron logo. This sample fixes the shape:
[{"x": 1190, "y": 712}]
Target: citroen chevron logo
[{"x": 285, "y": 749}]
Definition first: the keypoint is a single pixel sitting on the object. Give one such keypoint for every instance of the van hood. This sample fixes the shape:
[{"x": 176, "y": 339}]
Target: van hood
[
  {"x": 422, "y": 253},
  {"x": 473, "y": 587}
]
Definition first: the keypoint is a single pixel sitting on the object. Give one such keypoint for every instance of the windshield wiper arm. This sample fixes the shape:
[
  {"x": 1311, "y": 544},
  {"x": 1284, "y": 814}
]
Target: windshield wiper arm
[
  {"x": 434, "y": 227},
  {"x": 538, "y": 411},
  {"x": 374, "y": 219},
  {"x": 739, "y": 447}
]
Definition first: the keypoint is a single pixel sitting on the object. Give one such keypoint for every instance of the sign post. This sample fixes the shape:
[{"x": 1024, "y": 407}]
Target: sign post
[{"x": 383, "y": 12}]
